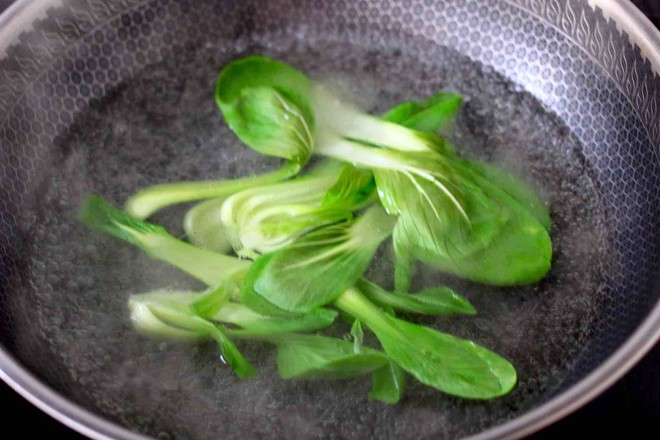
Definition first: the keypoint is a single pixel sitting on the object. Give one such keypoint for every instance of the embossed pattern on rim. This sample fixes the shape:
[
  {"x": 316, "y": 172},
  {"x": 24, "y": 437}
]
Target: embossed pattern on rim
[
  {"x": 642, "y": 32},
  {"x": 603, "y": 46}
]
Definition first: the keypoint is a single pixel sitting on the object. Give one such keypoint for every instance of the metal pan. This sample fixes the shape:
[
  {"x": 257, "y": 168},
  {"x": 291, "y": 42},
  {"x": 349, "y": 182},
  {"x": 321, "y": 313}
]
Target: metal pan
[{"x": 109, "y": 96}]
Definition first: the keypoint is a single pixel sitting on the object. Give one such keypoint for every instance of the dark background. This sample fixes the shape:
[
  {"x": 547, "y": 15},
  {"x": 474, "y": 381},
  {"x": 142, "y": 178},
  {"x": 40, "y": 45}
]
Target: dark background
[{"x": 630, "y": 407}]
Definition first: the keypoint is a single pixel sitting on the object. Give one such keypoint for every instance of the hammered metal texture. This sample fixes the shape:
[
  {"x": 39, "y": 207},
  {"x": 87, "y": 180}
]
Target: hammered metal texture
[{"x": 567, "y": 55}]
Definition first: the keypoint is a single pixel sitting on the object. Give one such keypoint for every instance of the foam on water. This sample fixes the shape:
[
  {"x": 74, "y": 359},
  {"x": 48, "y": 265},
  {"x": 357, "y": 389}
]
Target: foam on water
[{"x": 72, "y": 323}]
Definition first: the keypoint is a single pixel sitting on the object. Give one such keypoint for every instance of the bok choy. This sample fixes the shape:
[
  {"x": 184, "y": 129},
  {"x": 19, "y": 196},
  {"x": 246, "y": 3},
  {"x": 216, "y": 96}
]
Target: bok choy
[{"x": 282, "y": 254}]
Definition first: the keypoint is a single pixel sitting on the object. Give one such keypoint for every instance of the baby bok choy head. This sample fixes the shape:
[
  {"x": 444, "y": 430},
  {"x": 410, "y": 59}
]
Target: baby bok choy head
[
  {"x": 442, "y": 361},
  {"x": 302, "y": 240},
  {"x": 318, "y": 267},
  {"x": 264, "y": 218},
  {"x": 266, "y": 104},
  {"x": 451, "y": 215}
]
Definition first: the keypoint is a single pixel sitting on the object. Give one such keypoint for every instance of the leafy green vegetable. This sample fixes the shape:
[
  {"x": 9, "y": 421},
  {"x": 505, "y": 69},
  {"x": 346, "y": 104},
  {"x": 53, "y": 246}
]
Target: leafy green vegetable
[
  {"x": 315, "y": 269},
  {"x": 475, "y": 231},
  {"x": 267, "y": 104},
  {"x": 321, "y": 357},
  {"x": 232, "y": 356},
  {"x": 497, "y": 180},
  {"x": 448, "y": 214},
  {"x": 433, "y": 301},
  {"x": 147, "y": 323},
  {"x": 255, "y": 325},
  {"x": 204, "y": 228},
  {"x": 388, "y": 383},
  {"x": 206, "y": 266},
  {"x": 313, "y": 236},
  {"x": 264, "y": 218},
  {"x": 256, "y": 301},
  {"x": 358, "y": 335},
  {"x": 353, "y": 189},
  {"x": 337, "y": 119},
  {"x": 516, "y": 189},
  {"x": 210, "y": 302},
  {"x": 450, "y": 364},
  {"x": 443, "y": 106},
  {"x": 404, "y": 263},
  {"x": 230, "y": 353},
  {"x": 250, "y": 323},
  {"x": 175, "y": 318},
  {"x": 430, "y": 115},
  {"x": 149, "y": 200}
]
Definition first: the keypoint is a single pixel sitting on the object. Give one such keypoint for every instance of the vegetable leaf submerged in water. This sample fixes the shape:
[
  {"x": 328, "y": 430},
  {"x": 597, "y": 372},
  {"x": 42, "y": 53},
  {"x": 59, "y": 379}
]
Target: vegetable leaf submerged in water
[
  {"x": 433, "y": 301},
  {"x": 451, "y": 216},
  {"x": 315, "y": 269},
  {"x": 266, "y": 103},
  {"x": 450, "y": 364},
  {"x": 303, "y": 240},
  {"x": 431, "y": 115},
  {"x": 208, "y": 267},
  {"x": 320, "y": 357}
]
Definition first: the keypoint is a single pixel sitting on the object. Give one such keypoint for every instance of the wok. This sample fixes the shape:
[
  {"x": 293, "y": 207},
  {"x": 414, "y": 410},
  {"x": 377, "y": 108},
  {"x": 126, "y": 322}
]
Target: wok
[{"x": 104, "y": 96}]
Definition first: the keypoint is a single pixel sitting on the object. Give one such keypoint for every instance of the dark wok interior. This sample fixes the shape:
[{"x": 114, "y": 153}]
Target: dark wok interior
[{"x": 127, "y": 102}]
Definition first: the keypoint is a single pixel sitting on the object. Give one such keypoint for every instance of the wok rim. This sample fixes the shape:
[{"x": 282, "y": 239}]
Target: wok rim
[{"x": 640, "y": 31}]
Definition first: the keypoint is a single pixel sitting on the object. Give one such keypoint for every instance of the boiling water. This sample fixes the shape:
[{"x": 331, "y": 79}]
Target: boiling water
[{"x": 70, "y": 314}]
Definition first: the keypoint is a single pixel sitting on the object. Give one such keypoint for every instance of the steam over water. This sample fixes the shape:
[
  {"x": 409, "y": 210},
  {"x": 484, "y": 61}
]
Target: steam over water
[{"x": 164, "y": 126}]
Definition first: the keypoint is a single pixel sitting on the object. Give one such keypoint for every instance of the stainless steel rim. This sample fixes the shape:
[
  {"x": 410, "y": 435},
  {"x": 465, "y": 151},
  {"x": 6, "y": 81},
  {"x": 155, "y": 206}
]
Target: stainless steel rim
[{"x": 640, "y": 31}]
